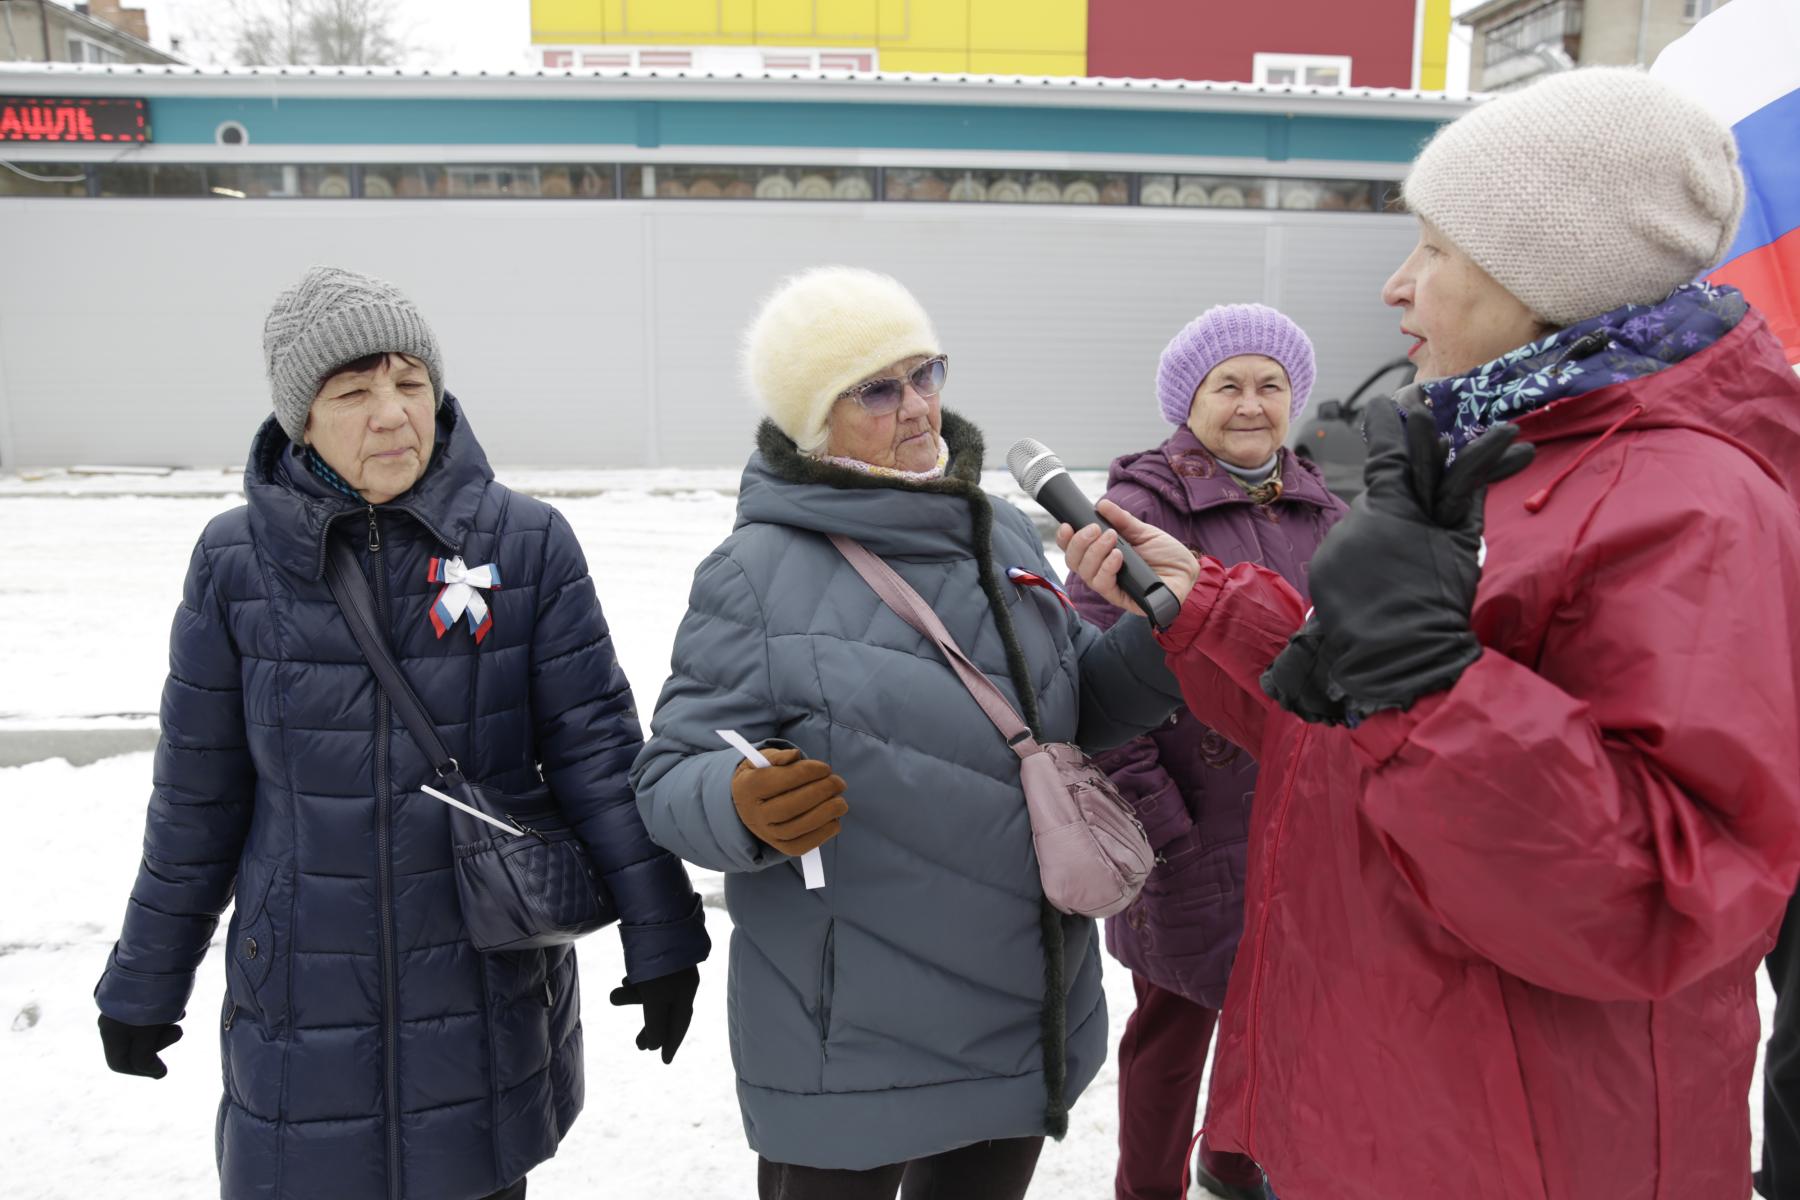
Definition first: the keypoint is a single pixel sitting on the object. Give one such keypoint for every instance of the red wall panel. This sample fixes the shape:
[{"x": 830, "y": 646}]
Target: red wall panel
[{"x": 1217, "y": 39}]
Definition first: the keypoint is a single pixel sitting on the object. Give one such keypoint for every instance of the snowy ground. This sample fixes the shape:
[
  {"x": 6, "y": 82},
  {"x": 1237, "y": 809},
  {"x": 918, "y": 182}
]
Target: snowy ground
[{"x": 95, "y": 571}]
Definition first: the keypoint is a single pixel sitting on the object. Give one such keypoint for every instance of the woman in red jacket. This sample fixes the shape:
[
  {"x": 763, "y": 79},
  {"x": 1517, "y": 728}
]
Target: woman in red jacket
[{"x": 1529, "y": 808}]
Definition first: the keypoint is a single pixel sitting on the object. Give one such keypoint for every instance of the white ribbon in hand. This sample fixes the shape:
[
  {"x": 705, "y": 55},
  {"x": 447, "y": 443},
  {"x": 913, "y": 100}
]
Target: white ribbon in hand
[{"x": 460, "y": 596}]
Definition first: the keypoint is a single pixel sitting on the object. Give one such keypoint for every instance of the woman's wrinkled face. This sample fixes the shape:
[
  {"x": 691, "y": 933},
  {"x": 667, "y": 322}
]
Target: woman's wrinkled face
[
  {"x": 1457, "y": 315},
  {"x": 376, "y": 427},
  {"x": 1241, "y": 410},
  {"x": 903, "y": 440}
]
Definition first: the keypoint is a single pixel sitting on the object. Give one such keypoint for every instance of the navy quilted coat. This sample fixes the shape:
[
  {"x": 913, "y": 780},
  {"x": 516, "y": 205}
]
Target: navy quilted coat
[
  {"x": 927, "y": 997},
  {"x": 369, "y": 1052}
]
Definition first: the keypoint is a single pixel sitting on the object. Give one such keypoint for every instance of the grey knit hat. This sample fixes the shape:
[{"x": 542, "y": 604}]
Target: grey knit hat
[
  {"x": 332, "y": 317},
  {"x": 1586, "y": 191}
]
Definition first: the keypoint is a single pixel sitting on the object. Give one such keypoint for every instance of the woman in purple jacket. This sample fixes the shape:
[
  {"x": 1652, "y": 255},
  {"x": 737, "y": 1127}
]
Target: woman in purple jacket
[{"x": 1223, "y": 483}]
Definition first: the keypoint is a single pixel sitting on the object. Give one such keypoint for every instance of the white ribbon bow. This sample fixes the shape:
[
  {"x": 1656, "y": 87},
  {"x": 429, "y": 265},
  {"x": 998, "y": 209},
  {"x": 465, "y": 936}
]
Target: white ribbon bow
[{"x": 460, "y": 596}]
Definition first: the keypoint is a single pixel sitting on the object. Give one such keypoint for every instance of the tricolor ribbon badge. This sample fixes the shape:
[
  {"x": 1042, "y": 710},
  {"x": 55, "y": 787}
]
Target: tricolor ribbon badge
[
  {"x": 462, "y": 596},
  {"x": 1024, "y": 578}
]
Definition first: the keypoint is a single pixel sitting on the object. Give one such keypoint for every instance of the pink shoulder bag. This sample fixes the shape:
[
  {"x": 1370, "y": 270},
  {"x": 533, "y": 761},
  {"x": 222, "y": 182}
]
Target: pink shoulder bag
[{"x": 1092, "y": 854}]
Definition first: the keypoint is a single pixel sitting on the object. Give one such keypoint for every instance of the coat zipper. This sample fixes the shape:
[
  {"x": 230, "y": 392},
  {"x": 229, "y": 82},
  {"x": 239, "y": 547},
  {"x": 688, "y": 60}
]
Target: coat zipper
[
  {"x": 384, "y": 867},
  {"x": 1253, "y": 1035}
]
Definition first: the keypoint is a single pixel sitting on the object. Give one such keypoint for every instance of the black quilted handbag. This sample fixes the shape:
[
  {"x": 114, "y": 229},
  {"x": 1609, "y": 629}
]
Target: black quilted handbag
[{"x": 529, "y": 886}]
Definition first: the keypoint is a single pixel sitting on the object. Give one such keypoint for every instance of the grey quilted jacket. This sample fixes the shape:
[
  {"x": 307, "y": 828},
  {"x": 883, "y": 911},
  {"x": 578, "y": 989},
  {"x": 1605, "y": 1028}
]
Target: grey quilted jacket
[{"x": 927, "y": 997}]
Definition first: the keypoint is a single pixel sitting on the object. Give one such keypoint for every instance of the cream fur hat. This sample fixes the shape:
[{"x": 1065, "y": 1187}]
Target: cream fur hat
[
  {"x": 822, "y": 332},
  {"x": 1588, "y": 190}
]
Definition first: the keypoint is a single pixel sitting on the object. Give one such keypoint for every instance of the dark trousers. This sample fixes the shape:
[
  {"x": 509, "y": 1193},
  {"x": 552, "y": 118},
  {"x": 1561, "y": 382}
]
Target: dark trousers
[
  {"x": 1779, "y": 1178},
  {"x": 999, "y": 1170},
  {"x": 515, "y": 1192},
  {"x": 1162, "y": 1057}
]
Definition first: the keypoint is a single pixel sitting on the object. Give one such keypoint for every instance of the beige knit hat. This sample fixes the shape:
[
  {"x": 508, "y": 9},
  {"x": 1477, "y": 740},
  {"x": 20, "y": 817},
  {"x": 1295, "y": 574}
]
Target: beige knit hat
[
  {"x": 1588, "y": 190},
  {"x": 820, "y": 333}
]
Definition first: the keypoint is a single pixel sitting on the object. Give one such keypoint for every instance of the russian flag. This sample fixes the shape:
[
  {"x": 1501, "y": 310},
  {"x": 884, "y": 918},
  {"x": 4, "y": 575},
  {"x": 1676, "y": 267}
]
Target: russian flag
[{"x": 1743, "y": 62}]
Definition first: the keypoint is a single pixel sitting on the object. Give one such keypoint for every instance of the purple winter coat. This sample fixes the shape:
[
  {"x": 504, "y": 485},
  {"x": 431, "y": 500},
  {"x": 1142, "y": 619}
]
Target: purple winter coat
[{"x": 1191, "y": 788}]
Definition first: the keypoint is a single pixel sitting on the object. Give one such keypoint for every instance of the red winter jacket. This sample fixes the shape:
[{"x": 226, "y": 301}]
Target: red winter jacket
[{"x": 1503, "y": 946}]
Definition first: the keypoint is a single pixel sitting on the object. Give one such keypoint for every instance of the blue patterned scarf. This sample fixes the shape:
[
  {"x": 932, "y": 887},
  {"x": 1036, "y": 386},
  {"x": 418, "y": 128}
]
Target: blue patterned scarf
[
  {"x": 319, "y": 467},
  {"x": 1617, "y": 347}
]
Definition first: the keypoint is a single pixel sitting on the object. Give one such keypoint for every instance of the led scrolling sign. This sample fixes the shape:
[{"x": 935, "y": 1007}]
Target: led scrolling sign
[{"x": 72, "y": 119}]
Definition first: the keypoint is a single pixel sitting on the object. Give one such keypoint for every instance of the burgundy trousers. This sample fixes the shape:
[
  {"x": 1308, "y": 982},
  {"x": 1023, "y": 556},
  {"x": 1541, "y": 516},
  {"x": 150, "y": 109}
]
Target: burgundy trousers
[{"x": 1162, "y": 1057}]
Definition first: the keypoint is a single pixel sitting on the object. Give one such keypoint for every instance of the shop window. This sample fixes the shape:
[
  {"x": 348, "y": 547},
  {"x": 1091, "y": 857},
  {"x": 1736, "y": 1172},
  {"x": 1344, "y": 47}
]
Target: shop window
[
  {"x": 529, "y": 181},
  {"x": 43, "y": 179},
  {"x": 1206, "y": 191},
  {"x": 703, "y": 182},
  {"x": 153, "y": 179},
  {"x": 968, "y": 186},
  {"x": 692, "y": 181},
  {"x": 256, "y": 182}
]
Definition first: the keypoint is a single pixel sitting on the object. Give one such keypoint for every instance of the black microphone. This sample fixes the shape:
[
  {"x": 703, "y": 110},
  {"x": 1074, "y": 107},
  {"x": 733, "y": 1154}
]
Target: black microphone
[{"x": 1047, "y": 481}]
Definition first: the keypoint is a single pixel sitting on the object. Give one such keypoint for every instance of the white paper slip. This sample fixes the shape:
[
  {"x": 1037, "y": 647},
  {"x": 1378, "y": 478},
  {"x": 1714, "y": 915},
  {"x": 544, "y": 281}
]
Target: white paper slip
[
  {"x": 453, "y": 802},
  {"x": 812, "y": 866},
  {"x": 736, "y": 741}
]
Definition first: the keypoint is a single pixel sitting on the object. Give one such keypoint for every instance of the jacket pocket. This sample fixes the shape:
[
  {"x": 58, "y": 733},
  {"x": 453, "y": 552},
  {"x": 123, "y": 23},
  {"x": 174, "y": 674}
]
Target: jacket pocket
[
  {"x": 251, "y": 952},
  {"x": 827, "y": 980}
]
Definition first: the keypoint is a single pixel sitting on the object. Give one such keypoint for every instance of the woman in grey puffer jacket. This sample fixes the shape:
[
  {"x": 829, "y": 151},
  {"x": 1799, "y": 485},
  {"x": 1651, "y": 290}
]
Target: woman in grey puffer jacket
[{"x": 926, "y": 1016}]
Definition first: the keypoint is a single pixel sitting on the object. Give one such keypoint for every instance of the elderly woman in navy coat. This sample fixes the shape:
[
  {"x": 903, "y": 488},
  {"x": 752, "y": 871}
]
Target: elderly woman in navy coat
[{"x": 370, "y": 1052}]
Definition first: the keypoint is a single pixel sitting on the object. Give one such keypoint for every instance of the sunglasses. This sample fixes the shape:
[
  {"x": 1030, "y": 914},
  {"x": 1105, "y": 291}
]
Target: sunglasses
[{"x": 879, "y": 397}]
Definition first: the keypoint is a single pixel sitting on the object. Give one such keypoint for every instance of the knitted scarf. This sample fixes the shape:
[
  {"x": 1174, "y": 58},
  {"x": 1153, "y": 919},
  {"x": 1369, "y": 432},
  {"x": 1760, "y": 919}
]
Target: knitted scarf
[
  {"x": 863, "y": 468},
  {"x": 318, "y": 466},
  {"x": 1617, "y": 347}
]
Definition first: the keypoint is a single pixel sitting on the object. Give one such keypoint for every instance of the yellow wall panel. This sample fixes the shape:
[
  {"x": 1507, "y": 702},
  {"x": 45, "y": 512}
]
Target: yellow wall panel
[
  {"x": 667, "y": 19},
  {"x": 1434, "y": 46},
  {"x": 851, "y": 21},
  {"x": 737, "y": 18},
  {"x": 926, "y": 24},
  {"x": 558, "y": 20},
  {"x": 784, "y": 22},
  {"x": 925, "y": 62},
  {"x": 1058, "y": 26},
  {"x": 986, "y": 36},
  {"x": 892, "y": 19},
  {"x": 1014, "y": 62}
]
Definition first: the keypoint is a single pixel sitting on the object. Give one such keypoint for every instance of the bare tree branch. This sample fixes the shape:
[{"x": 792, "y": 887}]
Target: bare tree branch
[
  {"x": 316, "y": 33},
  {"x": 353, "y": 33}
]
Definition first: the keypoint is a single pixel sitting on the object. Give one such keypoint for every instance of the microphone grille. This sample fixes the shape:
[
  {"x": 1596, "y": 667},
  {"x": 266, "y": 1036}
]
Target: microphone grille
[{"x": 1031, "y": 462}]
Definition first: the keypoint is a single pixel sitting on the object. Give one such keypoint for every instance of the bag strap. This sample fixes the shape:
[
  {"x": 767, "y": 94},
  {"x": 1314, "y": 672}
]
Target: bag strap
[
  {"x": 899, "y": 595},
  {"x": 350, "y": 588}
]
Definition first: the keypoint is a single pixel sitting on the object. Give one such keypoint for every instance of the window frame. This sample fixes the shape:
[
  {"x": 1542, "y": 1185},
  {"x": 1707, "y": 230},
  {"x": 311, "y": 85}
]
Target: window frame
[
  {"x": 1262, "y": 63},
  {"x": 93, "y": 51}
]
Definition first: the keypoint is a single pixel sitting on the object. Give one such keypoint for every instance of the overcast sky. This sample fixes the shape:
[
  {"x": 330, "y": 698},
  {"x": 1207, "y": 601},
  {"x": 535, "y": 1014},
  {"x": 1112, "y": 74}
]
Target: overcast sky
[{"x": 496, "y": 34}]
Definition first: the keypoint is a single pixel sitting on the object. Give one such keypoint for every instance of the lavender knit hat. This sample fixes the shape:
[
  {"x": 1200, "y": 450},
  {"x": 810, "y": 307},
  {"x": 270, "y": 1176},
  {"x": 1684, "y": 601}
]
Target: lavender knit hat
[{"x": 1226, "y": 331}]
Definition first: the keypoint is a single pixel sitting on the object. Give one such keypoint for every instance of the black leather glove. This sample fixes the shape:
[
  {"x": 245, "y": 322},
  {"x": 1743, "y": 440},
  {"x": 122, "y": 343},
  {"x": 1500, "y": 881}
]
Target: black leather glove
[
  {"x": 668, "y": 1002},
  {"x": 1297, "y": 680},
  {"x": 133, "y": 1049},
  {"x": 1393, "y": 584}
]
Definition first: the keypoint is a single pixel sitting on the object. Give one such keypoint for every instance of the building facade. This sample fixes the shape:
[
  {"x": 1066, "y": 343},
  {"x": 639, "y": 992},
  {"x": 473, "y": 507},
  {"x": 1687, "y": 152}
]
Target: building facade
[
  {"x": 1372, "y": 43},
  {"x": 590, "y": 245},
  {"x": 101, "y": 31},
  {"x": 1516, "y": 41}
]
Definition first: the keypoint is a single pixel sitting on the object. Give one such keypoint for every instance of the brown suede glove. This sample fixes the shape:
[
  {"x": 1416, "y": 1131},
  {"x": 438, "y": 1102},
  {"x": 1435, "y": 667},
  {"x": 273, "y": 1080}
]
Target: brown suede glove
[{"x": 793, "y": 804}]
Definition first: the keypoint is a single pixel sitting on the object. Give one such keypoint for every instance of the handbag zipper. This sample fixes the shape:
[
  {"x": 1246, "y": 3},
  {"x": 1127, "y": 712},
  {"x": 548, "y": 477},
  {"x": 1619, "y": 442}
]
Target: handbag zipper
[{"x": 384, "y": 868}]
